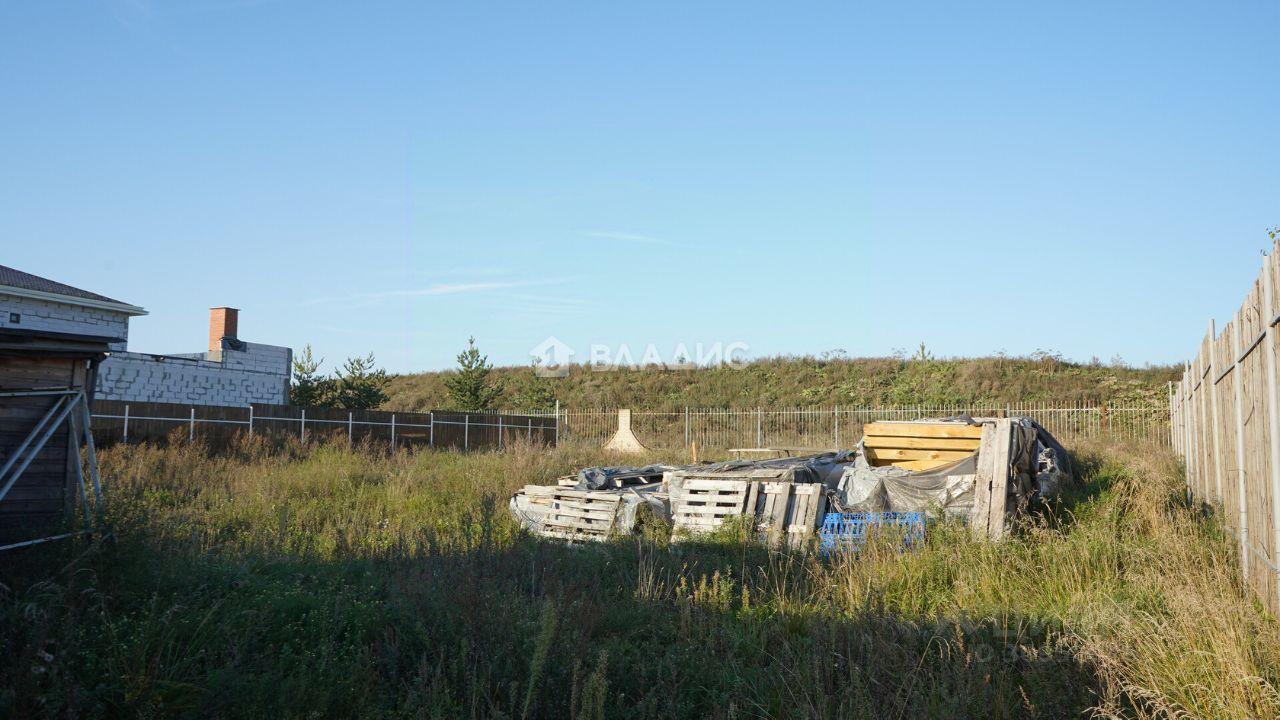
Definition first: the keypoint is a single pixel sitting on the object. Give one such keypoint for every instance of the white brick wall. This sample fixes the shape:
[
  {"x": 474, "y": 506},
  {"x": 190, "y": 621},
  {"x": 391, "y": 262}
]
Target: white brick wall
[
  {"x": 258, "y": 374},
  {"x": 62, "y": 317}
]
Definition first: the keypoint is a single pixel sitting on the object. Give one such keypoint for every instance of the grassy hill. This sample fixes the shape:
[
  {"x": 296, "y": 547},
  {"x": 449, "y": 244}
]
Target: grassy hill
[{"x": 814, "y": 381}]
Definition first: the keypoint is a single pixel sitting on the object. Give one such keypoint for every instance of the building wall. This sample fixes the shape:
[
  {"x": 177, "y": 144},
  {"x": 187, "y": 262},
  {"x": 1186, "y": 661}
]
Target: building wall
[
  {"x": 61, "y": 317},
  {"x": 256, "y": 374}
]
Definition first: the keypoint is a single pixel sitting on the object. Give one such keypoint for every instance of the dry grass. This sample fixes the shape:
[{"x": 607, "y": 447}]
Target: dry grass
[{"x": 326, "y": 582}]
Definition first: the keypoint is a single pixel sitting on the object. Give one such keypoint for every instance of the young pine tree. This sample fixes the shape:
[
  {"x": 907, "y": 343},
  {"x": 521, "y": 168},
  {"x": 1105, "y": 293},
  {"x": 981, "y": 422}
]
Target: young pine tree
[
  {"x": 309, "y": 387},
  {"x": 471, "y": 388},
  {"x": 360, "y": 385}
]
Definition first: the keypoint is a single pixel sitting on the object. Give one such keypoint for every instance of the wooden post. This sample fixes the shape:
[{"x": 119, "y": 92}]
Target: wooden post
[
  {"x": 991, "y": 481},
  {"x": 1202, "y": 427},
  {"x": 1188, "y": 408},
  {"x": 1273, "y": 401},
  {"x": 1241, "y": 480},
  {"x": 1214, "y": 427},
  {"x": 1000, "y": 478}
]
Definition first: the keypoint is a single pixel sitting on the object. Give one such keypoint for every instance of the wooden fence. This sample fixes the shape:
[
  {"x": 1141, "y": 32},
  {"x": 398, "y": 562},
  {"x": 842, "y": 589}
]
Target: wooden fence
[
  {"x": 1226, "y": 426},
  {"x": 117, "y": 421}
]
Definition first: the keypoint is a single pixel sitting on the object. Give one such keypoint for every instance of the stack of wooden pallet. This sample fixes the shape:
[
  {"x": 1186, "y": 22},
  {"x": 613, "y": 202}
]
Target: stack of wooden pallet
[
  {"x": 919, "y": 446},
  {"x": 782, "y": 512},
  {"x": 575, "y": 514}
]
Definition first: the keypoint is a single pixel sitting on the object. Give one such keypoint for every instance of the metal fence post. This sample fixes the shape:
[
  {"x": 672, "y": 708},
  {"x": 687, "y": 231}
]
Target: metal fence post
[
  {"x": 303, "y": 435},
  {"x": 350, "y": 428},
  {"x": 431, "y": 423},
  {"x": 393, "y": 431},
  {"x": 530, "y": 437},
  {"x": 191, "y": 429},
  {"x": 251, "y": 420},
  {"x": 126, "y": 423},
  {"x": 466, "y": 431},
  {"x": 499, "y": 432},
  {"x": 557, "y": 422},
  {"x": 837, "y": 424},
  {"x": 759, "y": 427},
  {"x": 686, "y": 426}
]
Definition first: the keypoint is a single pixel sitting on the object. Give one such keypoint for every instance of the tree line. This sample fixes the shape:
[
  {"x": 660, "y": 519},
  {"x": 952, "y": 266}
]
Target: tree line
[{"x": 360, "y": 385}]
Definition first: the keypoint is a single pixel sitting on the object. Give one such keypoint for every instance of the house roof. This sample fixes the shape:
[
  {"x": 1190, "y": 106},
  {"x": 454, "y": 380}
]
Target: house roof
[{"x": 36, "y": 286}]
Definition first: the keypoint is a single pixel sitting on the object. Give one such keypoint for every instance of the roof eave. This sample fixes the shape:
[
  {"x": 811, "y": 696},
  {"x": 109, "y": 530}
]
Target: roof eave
[{"x": 119, "y": 307}]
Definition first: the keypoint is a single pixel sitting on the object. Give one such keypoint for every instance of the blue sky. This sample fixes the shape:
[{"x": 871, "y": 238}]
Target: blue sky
[{"x": 1094, "y": 179}]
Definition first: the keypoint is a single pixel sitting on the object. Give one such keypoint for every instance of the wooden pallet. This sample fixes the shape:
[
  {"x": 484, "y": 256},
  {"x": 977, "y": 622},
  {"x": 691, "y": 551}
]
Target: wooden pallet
[
  {"x": 575, "y": 514},
  {"x": 789, "y": 513},
  {"x": 700, "y": 505},
  {"x": 782, "y": 512},
  {"x": 919, "y": 445}
]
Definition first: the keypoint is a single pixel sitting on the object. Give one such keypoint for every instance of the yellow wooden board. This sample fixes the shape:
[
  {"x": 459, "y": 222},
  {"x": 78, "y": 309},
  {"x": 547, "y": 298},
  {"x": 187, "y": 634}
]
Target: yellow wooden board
[
  {"x": 917, "y": 465},
  {"x": 882, "y": 455},
  {"x": 889, "y": 441},
  {"x": 915, "y": 429}
]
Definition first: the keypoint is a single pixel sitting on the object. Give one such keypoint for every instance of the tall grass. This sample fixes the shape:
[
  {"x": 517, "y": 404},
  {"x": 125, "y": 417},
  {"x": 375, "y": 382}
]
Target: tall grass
[{"x": 325, "y": 582}]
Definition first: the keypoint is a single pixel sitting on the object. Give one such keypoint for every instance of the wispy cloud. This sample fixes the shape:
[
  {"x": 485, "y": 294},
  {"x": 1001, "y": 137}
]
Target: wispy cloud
[
  {"x": 454, "y": 288},
  {"x": 628, "y": 237}
]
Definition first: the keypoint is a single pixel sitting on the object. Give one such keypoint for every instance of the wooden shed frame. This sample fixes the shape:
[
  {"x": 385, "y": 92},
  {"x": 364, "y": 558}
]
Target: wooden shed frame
[{"x": 72, "y": 407}]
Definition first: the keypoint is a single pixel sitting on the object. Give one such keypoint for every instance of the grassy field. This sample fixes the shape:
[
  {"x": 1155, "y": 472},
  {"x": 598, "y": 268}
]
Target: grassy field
[
  {"x": 793, "y": 382},
  {"x": 283, "y": 582}
]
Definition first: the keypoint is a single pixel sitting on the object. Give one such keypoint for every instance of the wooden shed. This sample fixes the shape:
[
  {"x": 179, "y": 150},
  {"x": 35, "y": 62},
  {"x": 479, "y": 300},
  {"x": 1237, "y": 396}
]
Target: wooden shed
[{"x": 51, "y": 341}]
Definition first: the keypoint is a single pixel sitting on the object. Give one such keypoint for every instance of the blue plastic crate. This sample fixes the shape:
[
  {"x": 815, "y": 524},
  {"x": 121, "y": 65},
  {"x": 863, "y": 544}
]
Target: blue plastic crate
[{"x": 848, "y": 531}]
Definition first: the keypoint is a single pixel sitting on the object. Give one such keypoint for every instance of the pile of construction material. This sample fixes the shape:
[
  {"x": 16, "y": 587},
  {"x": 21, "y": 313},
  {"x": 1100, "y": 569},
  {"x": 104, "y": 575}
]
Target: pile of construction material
[{"x": 985, "y": 471}]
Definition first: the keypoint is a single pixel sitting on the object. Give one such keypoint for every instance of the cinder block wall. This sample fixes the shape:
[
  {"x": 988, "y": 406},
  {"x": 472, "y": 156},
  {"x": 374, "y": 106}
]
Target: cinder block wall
[
  {"x": 60, "y": 317},
  {"x": 257, "y": 374}
]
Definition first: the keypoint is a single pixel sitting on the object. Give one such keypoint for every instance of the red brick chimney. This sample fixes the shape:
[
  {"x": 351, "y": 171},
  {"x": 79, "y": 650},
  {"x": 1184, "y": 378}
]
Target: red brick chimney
[{"x": 223, "y": 322}]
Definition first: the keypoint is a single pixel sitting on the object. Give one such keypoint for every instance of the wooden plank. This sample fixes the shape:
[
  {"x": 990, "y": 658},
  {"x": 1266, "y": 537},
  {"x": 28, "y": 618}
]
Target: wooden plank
[
  {"x": 707, "y": 483},
  {"x": 891, "y": 441},
  {"x": 916, "y": 465},
  {"x": 980, "y": 515},
  {"x": 917, "y": 429},
  {"x": 1002, "y": 449},
  {"x": 890, "y": 454},
  {"x": 605, "y": 514}
]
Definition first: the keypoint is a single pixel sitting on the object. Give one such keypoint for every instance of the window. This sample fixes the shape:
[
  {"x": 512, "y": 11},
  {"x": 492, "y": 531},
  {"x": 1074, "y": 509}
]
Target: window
[{"x": 15, "y": 318}]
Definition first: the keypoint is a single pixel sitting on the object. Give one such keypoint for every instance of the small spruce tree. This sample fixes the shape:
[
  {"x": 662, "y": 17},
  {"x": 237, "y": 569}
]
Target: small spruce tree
[
  {"x": 471, "y": 389},
  {"x": 360, "y": 385}
]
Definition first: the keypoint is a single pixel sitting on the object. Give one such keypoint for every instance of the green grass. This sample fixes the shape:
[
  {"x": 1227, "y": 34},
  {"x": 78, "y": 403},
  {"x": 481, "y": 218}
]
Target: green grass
[
  {"x": 807, "y": 381},
  {"x": 322, "y": 582}
]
